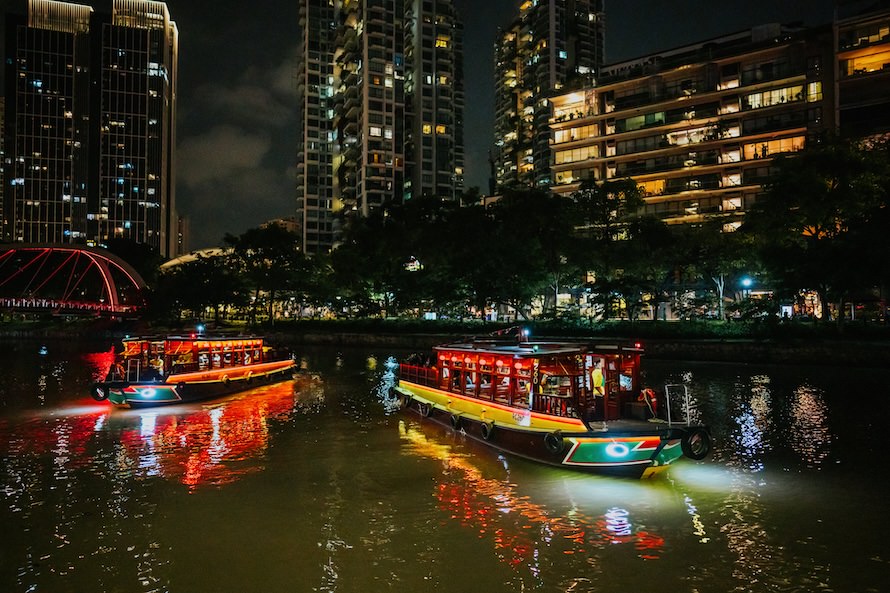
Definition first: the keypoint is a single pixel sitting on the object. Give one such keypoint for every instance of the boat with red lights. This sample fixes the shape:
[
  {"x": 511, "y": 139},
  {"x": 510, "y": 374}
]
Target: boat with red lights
[
  {"x": 573, "y": 404},
  {"x": 155, "y": 371}
]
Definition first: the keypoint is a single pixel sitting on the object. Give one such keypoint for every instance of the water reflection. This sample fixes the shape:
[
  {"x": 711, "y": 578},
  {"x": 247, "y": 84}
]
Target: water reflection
[
  {"x": 522, "y": 530},
  {"x": 214, "y": 444},
  {"x": 809, "y": 434}
]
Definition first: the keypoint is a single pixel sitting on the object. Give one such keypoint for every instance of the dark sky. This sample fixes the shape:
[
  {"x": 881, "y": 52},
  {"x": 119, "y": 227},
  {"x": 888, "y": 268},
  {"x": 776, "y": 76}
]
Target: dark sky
[{"x": 237, "y": 99}]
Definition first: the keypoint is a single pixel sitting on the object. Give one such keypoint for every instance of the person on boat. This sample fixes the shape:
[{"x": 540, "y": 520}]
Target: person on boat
[
  {"x": 597, "y": 408},
  {"x": 597, "y": 381}
]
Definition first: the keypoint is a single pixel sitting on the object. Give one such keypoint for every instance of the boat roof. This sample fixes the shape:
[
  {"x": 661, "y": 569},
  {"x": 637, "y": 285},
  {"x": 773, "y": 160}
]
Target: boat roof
[
  {"x": 192, "y": 338},
  {"x": 541, "y": 347}
]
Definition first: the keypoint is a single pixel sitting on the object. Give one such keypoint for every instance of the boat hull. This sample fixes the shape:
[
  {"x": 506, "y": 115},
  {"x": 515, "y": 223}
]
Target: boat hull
[
  {"x": 189, "y": 387},
  {"x": 557, "y": 441}
]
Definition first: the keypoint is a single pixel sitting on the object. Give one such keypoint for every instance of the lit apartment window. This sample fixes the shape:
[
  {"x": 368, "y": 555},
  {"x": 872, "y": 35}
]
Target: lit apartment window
[
  {"x": 427, "y": 129},
  {"x": 440, "y": 129},
  {"x": 375, "y": 131}
]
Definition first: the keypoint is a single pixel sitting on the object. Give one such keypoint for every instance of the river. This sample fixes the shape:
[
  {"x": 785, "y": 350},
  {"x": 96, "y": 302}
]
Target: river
[{"x": 322, "y": 484}]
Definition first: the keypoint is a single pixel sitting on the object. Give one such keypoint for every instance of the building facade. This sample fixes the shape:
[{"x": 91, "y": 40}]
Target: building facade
[
  {"x": 551, "y": 44},
  {"x": 90, "y": 124},
  {"x": 381, "y": 92},
  {"x": 697, "y": 127},
  {"x": 863, "y": 70}
]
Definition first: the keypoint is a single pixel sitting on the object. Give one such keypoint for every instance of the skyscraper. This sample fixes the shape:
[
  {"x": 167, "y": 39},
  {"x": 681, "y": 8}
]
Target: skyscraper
[
  {"x": 381, "y": 98},
  {"x": 550, "y": 44},
  {"x": 90, "y": 124}
]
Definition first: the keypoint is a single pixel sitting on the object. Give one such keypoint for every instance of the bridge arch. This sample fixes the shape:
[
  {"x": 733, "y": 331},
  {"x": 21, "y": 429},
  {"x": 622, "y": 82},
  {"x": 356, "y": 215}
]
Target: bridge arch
[{"x": 68, "y": 279}]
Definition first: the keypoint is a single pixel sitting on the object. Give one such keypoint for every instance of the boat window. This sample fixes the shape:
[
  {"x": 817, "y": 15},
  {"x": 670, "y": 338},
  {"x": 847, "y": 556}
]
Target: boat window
[
  {"x": 520, "y": 393},
  {"x": 227, "y": 358},
  {"x": 469, "y": 383},
  {"x": 203, "y": 361},
  {"x": 444, "y": 378},
  {"x": 486, "y": 387},
  {"x": 216, "y": 360}
]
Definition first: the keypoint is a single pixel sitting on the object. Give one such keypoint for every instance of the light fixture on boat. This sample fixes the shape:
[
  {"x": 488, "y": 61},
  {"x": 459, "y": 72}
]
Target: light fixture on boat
[
  {"x": 617, "y": 450},
  {"x": 148, "y": 392}
]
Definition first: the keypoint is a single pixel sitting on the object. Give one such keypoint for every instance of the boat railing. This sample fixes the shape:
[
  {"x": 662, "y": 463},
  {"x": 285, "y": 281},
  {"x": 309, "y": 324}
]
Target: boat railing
[
  {"x": 554, "y": 405},
  {"x": 677, "y": 404},
  {"x": 422, "y": 375}
]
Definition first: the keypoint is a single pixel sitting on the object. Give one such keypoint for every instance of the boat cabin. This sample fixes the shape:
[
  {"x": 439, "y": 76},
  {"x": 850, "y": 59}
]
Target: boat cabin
[
  {"x": 582, "y": 380},
  {"x": 175, "y": 355}
]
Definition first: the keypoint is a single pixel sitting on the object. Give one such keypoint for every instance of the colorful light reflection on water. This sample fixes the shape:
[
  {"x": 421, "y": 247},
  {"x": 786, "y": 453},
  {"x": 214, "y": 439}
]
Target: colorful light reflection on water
[{"x": 326, "y": 486}]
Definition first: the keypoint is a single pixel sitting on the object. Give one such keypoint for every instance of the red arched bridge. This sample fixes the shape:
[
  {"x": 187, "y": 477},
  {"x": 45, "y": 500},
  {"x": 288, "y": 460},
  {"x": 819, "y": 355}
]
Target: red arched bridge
[{"x": 68, "y": 280}]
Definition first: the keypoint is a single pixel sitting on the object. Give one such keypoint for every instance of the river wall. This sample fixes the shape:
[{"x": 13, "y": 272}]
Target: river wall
[
  {"x": 852, "y": 353},
  {"x": 839, "y": 353}
]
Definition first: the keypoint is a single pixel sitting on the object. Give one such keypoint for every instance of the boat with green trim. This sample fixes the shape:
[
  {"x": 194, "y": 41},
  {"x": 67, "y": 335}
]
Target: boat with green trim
[
  {"x": 573, "y": 404},
  {"x": 156, "y": 371}
]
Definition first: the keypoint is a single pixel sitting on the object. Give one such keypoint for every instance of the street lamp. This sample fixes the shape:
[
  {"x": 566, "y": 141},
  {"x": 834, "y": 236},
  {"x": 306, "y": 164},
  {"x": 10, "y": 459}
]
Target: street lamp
[{"x": 746, "y": 283}]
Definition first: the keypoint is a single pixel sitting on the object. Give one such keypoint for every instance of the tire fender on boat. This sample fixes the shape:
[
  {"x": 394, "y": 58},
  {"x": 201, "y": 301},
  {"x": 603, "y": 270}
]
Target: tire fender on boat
[
  {"x": 696, "y": 443},
  {"x": 553, "y": 442},
  {"x": 487, "y": 430},
  {"x": 455, "y": 421},
  {"x": 427, "y": 410},
  {"x": 226, "y": 380},
  {"x": 99, "y": 392},
  {"x": 249, "y": 377}
]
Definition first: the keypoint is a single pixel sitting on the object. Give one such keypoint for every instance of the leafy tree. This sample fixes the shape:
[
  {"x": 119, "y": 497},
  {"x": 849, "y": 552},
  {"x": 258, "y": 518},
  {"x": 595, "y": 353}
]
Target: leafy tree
[
  {"x": 606, "y": 212},
  {"x": 818, "y": 215},
  {"x": 271, "y": 260},
  {"x": 200, "y": 284},
  {"x": 713, "y": 255}
]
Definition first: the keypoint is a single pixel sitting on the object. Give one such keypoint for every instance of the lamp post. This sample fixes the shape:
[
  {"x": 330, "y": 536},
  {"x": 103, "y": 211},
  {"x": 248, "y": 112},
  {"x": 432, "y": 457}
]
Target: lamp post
[{"x": 746, "y": 283}]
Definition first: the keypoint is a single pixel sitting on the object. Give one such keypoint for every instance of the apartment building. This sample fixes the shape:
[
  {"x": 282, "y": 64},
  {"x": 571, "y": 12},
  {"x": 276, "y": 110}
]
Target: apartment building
[
  {"x": 381, "y": 91},
  {"x": 550, "y": 44},
  {"x": 90, "y": 123},
  {"x": 863, "y": 69},
  {"x": 698, "y": 127}
]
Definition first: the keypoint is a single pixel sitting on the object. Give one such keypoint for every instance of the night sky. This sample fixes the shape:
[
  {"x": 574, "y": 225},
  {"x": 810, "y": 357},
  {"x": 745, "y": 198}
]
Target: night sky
[{"x": 237, "y": 99}]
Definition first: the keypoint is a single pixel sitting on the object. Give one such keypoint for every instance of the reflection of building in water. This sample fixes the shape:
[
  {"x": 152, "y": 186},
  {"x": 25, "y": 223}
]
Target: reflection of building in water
[
  {"x": 519, "y": 527},
  {"x": 809, "y": 435}
]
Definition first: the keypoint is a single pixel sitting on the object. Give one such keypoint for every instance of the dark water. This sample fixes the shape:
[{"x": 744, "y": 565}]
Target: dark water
[{"x": 321, "y": 485}]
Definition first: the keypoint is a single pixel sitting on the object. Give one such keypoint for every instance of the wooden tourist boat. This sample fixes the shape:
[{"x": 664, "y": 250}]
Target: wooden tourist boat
[
  {"x": 176, "y": 369},
  {"x": 577, "y": 405}
]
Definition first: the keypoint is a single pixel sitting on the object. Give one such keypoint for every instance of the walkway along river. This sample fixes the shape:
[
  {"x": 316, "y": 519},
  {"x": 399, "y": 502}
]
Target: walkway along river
[{"x": 323, "y": 485}]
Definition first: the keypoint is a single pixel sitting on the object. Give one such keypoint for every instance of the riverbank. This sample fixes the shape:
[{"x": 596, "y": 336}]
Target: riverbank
[{"x": 849, "y": 350}]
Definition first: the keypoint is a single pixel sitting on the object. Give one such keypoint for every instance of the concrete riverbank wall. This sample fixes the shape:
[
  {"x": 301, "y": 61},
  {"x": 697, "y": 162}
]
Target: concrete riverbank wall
[{"x": 853, "y": 353}]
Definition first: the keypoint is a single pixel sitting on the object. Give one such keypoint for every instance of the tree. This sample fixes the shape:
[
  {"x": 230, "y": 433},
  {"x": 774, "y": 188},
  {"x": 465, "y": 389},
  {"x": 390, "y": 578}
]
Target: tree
[
  {"x": 608, "y": 213},
  {"x": 714, "y": 255},
  {"x": 271, "y": 260},
  {"x": 818, "y": 215}
]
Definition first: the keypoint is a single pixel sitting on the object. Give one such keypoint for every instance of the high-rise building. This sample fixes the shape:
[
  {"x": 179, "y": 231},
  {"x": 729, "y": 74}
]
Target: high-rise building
[
  {"x": 90, "y": 123},
  {"x": 434, "y": 100},
  {"x": 381, "y": 95},
  {"x": 552, "y": 43},
  {"x": 698, "y": 127}
]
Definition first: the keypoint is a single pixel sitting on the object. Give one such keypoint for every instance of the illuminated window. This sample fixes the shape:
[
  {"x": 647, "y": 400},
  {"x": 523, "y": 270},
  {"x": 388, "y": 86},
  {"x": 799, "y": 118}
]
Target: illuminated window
[
  {"x": 441, "y": 41},
  {"x": 443, "y": 80},
  {"x": 814, "y": 91},
  {"x": 427, "y": 129},
  {"x": 440, "y": 129},
  {"x": 375, "y": 131}
]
